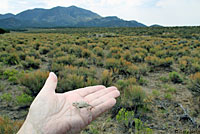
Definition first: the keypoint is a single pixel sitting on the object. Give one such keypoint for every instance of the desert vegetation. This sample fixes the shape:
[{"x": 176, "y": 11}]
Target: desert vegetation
[{"x": 157, "y": 71}]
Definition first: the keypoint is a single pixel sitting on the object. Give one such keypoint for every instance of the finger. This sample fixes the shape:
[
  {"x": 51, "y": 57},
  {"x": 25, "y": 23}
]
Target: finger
[
  {"x": 97, "y": 111},
  {"x": 51, "y": 83},
  {"x": 102, "y": 99},
  {"x": 88, "y": 90},
  {"x": 99, "y": 94}
]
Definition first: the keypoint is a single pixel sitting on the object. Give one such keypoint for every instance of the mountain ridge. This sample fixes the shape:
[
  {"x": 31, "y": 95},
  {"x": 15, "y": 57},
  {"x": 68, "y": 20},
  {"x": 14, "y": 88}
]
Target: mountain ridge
[{"x": 59, "y": 16}]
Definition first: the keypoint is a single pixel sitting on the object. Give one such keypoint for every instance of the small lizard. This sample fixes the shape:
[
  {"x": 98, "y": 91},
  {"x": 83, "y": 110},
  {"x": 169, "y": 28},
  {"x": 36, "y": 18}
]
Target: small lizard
[{"x": 82, "y": 104}]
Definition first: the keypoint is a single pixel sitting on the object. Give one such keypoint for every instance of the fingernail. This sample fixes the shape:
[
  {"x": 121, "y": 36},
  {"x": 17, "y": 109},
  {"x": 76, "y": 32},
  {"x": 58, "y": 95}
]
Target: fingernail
[{"x": 54, "y": 77}]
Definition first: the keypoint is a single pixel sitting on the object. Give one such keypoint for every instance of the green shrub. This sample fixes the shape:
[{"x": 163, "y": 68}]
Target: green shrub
[
  {"x": 171, "y": 90},
  {"x": 175, "y": 77},
  {"x": 24, "y": 100},
  {"x": 7, "y": 97},
  {"x": 81, "y": 62},
  {"x": 153, "y": 61},
  {"x": 10, "y": 72},
  {"x": 70, "y": 82},
  {"x": 131, "y": 70},
  {"x": 31, "y": 62},
  {"x": 127, "y": 55},
  {"x": 98, "y": 51},
  {"x": 133, "y": 96},
  {"x": 55, "y": 67},
  {"x": 66, "y": 60},
  {"x": 34, "y": 81},
  {"x": 156, "y": 93},
  {"x": 13, "y": 59},
  {"x": 125, "y": 117},
  {"x": 106, "y": 78},
  {"x": 44, "y": 50},
  {"x": 11, "y": 75},
  {"x": 195, "y": 83},
  {"x": 2, "y": 86},
  {"x": 138, "y": 57},
  {"x": 93, "y": 130},
  {"x": 74, "y": 49},
  {"x": 3, "y": 56},
  {"x": 140, "y": 128},
  {"x": 98, "y": 61},
  {"x": 123, "y": 84},
  {"x": 8, "y": 126},
  {"x": 168, "y": 96},
  {"x": 142, "y": 81},
  {"x": 143, "y": 69},
  {"x": 36, "y": 45},
  {"x": 166, "y": 62},
  {"x": 195, "y": 67},
  {"x": 33, "y": 53},
  {"x": 91, "y": 82},
  {"x": 112, "y": 63},
  {"x": 86, "y": 53},
  {"x": 80, "y": 71},
  {"x": 164, "y": 79}
]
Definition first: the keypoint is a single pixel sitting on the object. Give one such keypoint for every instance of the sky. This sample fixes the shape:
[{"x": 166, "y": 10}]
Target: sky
[{"x": 148, "y": 12}]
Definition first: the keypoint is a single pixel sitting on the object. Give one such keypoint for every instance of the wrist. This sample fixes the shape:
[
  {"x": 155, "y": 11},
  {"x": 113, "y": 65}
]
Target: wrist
[{"x": 28, "y": 128}]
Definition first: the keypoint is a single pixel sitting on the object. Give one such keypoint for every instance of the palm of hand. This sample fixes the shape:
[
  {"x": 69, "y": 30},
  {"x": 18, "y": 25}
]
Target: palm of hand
[{"x": 55, "y": 113}]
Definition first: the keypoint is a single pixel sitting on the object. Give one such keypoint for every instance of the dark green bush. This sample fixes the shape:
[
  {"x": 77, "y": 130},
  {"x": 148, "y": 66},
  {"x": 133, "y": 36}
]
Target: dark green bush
[
  {"x": 98, "y": 51},
  {"x": 24, "y": 100},
  {"x": 2, "y": 31},
  {"x": 175, "y": 77},
  {"x": 31, "y": 62},
  {"x": 44, "y": 50},
  {"x": 66, "y": 60},
  {"x": 13, "y": 59},
  {"x": 11, "y": 75}
]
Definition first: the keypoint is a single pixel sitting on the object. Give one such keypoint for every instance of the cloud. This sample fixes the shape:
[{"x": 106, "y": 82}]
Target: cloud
[
  {"x": 164, "y": 12},
  {"x": 13, "y": 6},
  {"x": 4, "y": 6}
]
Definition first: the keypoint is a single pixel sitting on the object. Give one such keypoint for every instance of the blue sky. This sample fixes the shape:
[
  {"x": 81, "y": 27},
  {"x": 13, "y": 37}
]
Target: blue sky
[{"x": 163, "y": 12}]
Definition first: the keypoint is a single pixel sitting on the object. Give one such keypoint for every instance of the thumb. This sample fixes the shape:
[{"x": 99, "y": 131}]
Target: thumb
[{"x": 51, "y": 83}]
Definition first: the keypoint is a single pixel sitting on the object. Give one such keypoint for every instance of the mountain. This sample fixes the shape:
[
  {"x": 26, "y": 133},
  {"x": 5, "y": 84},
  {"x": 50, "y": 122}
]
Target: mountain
[
  {"x": 62, "y": 17},
  {"x": 5, "y": 16},
  {"x": 11, "y": 23},
  {"x": 156, "y": 25},
  {"x": 111, "y": 21}
]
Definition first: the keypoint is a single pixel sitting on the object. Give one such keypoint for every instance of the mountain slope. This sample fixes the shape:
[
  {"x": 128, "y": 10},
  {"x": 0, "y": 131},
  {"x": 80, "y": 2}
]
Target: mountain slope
[
  {"x": 155, "y": 25},
  {"x": 11, "y": 23},
  {"x": 62, "y": 17},
  {"x": 5, "y": 16},
  {"x": 111, "y": 21}
]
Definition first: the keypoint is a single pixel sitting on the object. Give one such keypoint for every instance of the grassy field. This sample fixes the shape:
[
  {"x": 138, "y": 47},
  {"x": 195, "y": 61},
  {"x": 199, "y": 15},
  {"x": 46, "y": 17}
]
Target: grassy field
[{"x": 157, "y": 71}]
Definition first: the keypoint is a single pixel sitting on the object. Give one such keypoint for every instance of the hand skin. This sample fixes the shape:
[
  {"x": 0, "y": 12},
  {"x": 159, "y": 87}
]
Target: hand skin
[{"x": 53, "y": 113}]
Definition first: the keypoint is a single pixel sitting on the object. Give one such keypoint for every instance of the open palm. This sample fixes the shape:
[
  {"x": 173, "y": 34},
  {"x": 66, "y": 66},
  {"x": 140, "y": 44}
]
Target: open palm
[{"x": 53, "y": 113}]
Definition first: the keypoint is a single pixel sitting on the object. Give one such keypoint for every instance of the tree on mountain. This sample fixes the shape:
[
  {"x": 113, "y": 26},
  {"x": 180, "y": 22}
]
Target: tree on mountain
[{"x": 2, "y": 31}]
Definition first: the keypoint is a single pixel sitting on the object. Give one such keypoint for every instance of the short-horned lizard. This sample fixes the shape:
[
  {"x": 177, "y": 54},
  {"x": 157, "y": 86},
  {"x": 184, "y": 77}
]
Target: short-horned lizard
[{"x": 82, "y": 104}]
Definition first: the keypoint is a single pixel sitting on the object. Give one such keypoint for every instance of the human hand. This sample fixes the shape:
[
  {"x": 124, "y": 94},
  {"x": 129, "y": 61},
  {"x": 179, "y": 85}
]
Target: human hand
[{"x": 53, "y": 113}]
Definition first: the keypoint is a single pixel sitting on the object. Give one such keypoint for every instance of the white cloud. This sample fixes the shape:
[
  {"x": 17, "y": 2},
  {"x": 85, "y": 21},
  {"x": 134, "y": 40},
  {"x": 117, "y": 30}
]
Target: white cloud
[
  {"x": 4, "y": 6},
  {"x": 164, "y": 12}
]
